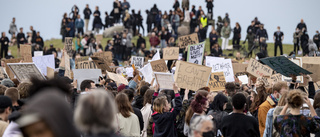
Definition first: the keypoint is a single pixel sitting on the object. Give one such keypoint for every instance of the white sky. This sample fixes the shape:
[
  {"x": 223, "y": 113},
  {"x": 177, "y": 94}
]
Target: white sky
[{"x": 46, "y": 15}]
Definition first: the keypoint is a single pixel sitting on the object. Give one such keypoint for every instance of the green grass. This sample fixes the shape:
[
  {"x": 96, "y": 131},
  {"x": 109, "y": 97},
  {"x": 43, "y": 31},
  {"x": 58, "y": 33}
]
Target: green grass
[{"x": 287, "y": 48}]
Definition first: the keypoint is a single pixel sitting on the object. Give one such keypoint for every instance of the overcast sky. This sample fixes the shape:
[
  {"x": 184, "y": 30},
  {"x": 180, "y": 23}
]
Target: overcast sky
[{"x": 46, "y": 15}]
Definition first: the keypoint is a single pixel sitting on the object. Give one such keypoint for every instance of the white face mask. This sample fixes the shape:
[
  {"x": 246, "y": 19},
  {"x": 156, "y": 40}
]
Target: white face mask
[{"x": 257, "y": 58}]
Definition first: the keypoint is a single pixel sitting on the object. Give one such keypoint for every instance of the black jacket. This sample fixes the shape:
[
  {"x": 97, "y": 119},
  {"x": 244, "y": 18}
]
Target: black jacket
[
  {"x": 4, "y": 41},
  {"x": 139, "y": 115},
  {"x": 237, "y": 32},
  {"x": 262, "y": 33},
  {"x": 39, "y": 41},
  {"x": 87, "y": 12},
  {"x": 140, "y": 41},
  {"x": 209, "y": 4},
  {"x": 97, "y": 12},
  {"x": 20, "y": 36},
  {"x": 176, "y": 5},
  {"x": 138, "y": 102},
  {"x": 302, "y": 25},
  {"x": 164, "y": 123}
]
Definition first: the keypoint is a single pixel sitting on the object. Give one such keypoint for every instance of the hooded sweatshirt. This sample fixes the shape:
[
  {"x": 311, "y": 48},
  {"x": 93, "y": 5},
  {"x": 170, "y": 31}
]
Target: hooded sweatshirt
[
  {"x": 51, "y": 107},
  {"x": 164, "y": 123}
]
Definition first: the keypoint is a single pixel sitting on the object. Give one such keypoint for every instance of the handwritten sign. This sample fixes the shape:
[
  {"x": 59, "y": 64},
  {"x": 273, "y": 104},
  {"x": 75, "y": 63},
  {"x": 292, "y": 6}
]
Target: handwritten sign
[
  {"x": 38, "y": 53},
  {"x": 315, "y": 69},
  {"x": 284, "y": 66},
  {"x": 43, "y": 62},
  {"x": 10, "y": 74},
  {"x": 191, "y": 76},
  {"x": 217, "y": 81},
  {"x": 24, "y": 71},
  {"x": 3, "y": 74},
  {"x": 99, "y": 38},
  {"x": 165, "y": 80},
  {"x": 187, "y": 40},
  {"x": 107, "y": 55},
  {"x": 68, "y": 46},
  {"x": 195, "y": 53},
  {"x": 119, "y": 79},
  {"x": 257, "y": 69},
  {"x": 266, "y": 80},
  {"x": 137, "y": 61},
  {"x": 147, "y": 73},
  {"x": 276, "y": 78},
  {"x": 224, "y": 65},
  {"x": 159, "y": 66},
  {"x": 171, "y": 53},
  {"x": 238, "y": 67},
  {"x": 86, "y": 65},
  {"x": 86, "y": 74},
  {"x": 101, "y": 63},
  {"x": 25, "y": 52},
  {"x": 77, "y": 60},
  {"x": 244, "y": 79}
]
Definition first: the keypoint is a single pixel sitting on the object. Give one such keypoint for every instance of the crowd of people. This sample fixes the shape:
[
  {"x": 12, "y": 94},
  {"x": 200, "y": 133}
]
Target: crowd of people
[{"x": 59, "y": 107}]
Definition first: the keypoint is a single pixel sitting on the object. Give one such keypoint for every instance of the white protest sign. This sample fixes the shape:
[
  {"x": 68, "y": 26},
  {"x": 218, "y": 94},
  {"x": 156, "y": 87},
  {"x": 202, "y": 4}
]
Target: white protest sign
[
  {"x": 38, "y": 53},
  {"x": 86, "y": 74},
  {"x": 129, "y": 71},
  {"x": 156, "y": 56},
  {"x": 243, "y": 79},
  {"x": 165, "y": 80},
  {"x": 147, "y": 73},
  {"x": 224, "y": 65},
  {"x": 195, "y": 53},
  {"x": 137, "y": 61},
  {"x": 43, "y": 62}
]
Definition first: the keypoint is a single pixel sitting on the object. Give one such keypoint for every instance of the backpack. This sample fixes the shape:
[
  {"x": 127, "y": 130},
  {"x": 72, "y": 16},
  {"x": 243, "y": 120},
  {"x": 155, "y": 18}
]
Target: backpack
[{"x": 217, "y": 121}]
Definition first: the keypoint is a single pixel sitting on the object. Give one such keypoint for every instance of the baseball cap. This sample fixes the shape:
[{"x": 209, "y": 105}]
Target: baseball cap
[{"x": 5, "y": 102}]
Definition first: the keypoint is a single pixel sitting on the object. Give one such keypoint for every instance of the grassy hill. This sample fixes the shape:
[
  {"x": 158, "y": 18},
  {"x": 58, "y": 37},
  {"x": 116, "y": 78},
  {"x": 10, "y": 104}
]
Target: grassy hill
[{"x": 287, "y": 48}]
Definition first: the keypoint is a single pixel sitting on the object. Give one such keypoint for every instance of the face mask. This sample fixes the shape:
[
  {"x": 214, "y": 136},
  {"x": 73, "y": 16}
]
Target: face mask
[
  {"x": 297, "y": 30},
  {"x": 9, "y": 54},
  {"x": 257, "y": 58},
  {"x": 279, "y": 98},
  {"x": 193, "y": 17},
  {"x": 203, "y": 16}
]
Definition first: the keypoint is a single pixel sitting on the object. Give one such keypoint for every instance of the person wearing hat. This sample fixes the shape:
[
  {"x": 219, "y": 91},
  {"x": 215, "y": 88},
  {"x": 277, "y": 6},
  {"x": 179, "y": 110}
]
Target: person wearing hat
[
  {"x": 51, "y": 50},
  {"x": 8, "y": 83},
  {"x": 5, "y": 111}
]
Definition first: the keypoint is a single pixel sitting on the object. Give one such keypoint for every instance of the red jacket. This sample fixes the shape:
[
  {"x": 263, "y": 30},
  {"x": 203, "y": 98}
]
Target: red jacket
[{"x": 154, "y": 41}]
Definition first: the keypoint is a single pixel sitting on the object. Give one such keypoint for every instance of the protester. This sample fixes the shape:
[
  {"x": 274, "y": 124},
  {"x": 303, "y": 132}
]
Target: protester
[
  {"x": 238, "y": 124},
  {"x": 154, "y": 40},
  {"x": 146, "y": 110},
  {"x": 271, "y": 101},
  {"x": 79, "y": 24},
  {"x": 236, "y": 34},
  {"x": 216, "y": 50},
  {"x": 139, "y": 19},
  {"x": 218, "y": 106},
  {"x": 97, "y": 22},
  {"x": 21, "y": 38},
  {"x": 302, "y": 25},
  {"x": 162, "y": 117},
  {"x": 13, "y": 94},
  {"x": 176, "y": 5},
  {"x": 213, "y": 37},
  {"x": 278, "y": 38},
  {"x": 316, "y": 39},
  {"x": 201, "y": 125},
  {"x": 295, "y": 122},
  {"x": 98, "y": 121},
  {"x": 4, "y": 45},
  {"x": 39, "y": 40},
  {"x": 225, "y": 34},
  {"x": 13, "y": 27},
  {"x": 87, "y": 13},
  {"x": 296, "y": 40},
  {"x": 63, "y": 29},
  {"x": 128, "y": 123}
]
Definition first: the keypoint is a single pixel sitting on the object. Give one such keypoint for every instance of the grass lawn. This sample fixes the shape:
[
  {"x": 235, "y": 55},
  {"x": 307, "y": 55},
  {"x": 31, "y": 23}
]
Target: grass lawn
[{"x": 287, "y": 48}]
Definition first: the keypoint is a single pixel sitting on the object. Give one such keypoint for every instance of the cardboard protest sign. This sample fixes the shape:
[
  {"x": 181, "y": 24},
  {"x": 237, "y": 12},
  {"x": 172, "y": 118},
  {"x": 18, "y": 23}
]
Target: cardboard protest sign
[
  {"x": 159, "y": 66},
  {"x": 266, "y": 80},
  {"x": 86, "y": 74},
  {"x": 137, "y": 61},
  {"x": 65, "y": 65},
  {"x": 86, "y": 65},
  {"x": 171, "y": 53},
  {"x": 195, "y": 53},
  {"x": 38, "y": 53},
  {"x": 284, "y": 66},
  {"x": 191, "y": 76},
  {"x": 257, "y": 69},
  {"x": 25, "y": 52},
  {"x": 276, "y": 78},
  {"x": 77, "y": 60},
  {"x": 165, "y": 80},
  {"x": 224, "y": 65},
  {"x": 310, "y": 60},
  {"x": 299, "y": 78},
  {"x": 315, "y": 69},
  {"x": 101, "y": 64},
  {"x": 99, "y": 38},
  {"x": 119, "y": 79},
  {"x": 43, "y": 62},
  {"x": 147, "y": 73},
  {"x": 68, "y": 46},
  {"x": 107, "y": 55},
  {"x": 238, "y": 67},
  {"x": 3, "y": 74},
  {"x": 10, "y": 74},
  {"x": 187, "y": 40},
  {"x": 24, "y": 71},
  {"x": 50, "y": 72},
  {"x": 217, "y": 81}
]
